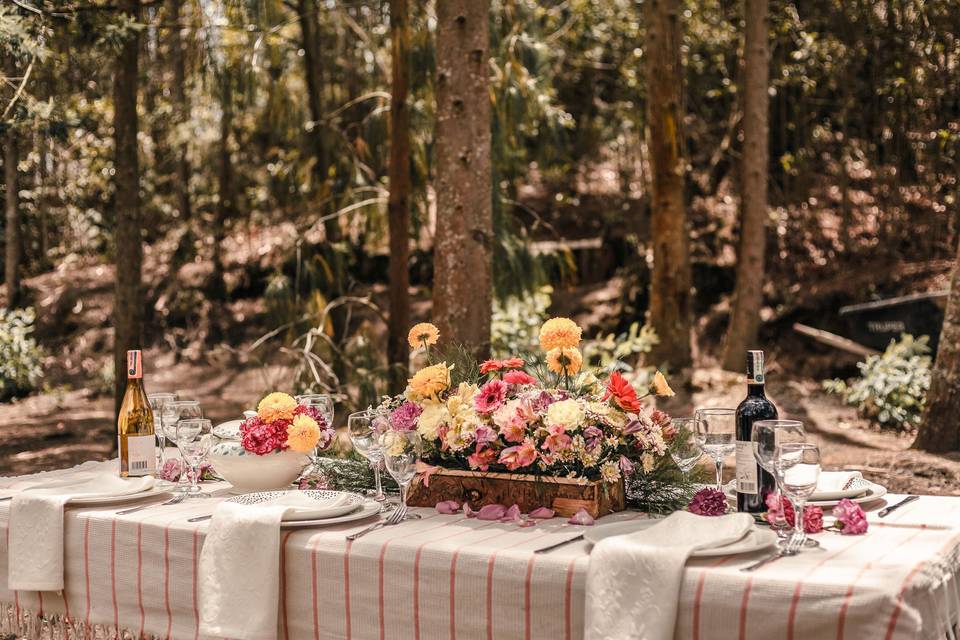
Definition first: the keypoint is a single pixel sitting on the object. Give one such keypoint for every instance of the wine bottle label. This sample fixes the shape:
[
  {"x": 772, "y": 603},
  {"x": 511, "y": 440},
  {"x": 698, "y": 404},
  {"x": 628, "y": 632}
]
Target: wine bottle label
[
  {"x": 755, "y": 367},
  {"x": 141, "y": 456},
  {"x": 134, "y": 365},
  {"x": 746, "y": 468}
]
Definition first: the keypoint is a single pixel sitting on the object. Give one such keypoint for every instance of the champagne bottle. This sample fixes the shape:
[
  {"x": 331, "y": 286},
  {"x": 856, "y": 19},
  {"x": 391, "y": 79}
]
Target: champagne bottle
[
  {"x": 753, "y": 482},
  {"x": 135, "y": 424}
]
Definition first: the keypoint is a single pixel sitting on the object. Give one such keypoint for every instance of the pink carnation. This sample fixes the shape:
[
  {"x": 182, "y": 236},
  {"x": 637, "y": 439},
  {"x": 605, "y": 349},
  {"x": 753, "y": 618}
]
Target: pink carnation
[
  {"x": 404, "y": 417},
  {"x": 851, "y": 520},
  {"x": 708, "y": 502},
  {"x": 261, "y": 437},
  {"x": 490, "y": 397}
]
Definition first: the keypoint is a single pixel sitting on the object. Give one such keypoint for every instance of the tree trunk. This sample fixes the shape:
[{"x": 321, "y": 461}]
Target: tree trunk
[
  {"x": 399, "y": 203},
  {"x": 748, "y": 295},
  {"x": 670, "y": 295},
  {"x": 462, "y": 293},
  {"x": 181, "y": 112},
  {"x": 939, "y": 431},
  {"x": 128, "y": 305},
  {"x": 226, "y": 200},
  {"x": 11, "y": 158}
]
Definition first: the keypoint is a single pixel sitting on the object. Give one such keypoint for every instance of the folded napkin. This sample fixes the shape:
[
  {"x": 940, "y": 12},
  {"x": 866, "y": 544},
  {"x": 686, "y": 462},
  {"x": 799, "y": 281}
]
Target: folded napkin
[
  {"x": 833, "y": 481},
  {"x": 240, "y": 566},
  {"x": 633, "y": 581},
  {"x": 36, "y": 525}
]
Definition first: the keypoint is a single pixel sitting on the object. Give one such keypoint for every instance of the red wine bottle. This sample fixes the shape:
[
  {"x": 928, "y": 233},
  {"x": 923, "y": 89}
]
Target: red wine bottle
[{"x": 753, "y": 482}]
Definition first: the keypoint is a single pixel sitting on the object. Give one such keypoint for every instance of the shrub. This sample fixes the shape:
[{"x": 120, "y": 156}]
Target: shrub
[
  {"x": 515, "y": 326},
  {"x": 892, "y": 386},
  {"x": 19, "y": 355}
]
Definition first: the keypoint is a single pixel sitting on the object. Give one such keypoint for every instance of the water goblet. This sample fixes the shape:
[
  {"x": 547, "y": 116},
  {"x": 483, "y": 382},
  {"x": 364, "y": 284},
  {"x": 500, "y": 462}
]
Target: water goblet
[
  {"x": 365, "y": 429},
  {"x": 157, "y": 403},
  {"x": 765, "y": 435},
  {"x": 685, "y": 450},
  {"x": 194, "y": 438},
  {"x": 797, "y": 467},
  {"x": 171, "y": 414},
  {"x": 323, "y": 403},
  {"x": 401, "y": 452},
  {"x": 716, "y": 433}
]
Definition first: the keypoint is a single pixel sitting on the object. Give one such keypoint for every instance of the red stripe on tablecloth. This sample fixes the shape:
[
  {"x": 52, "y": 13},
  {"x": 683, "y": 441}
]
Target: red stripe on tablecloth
[
  {"x": 86, "y": 563},
  {"x": 166, "y": 577},
  {"x": 568, "y": 602},
  {"x": 892, "y": 626},
  {"x": 196, "y": 605},
  {"x": 346, "y": 586},
  {"x": 743, "y": 608},
  {"x": 698, "y": 597},
  {"x": 16, "y": 596},
  {"x": 526, "y": 596},
  {"x": 140, "y": 577},
  {"x": 113, "y": 574},
  {"x": 490, "y": 565},
  {"x": 795, "y": 601},
  {"x": 283, "y": 583}
]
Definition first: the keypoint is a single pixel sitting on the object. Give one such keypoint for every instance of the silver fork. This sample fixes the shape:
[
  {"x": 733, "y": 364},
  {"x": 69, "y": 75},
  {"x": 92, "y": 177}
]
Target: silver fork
[
  {"x": 790, "y": 549},
  {"x": 393, "y": 518},
  {"x": 174, "y": 500}
]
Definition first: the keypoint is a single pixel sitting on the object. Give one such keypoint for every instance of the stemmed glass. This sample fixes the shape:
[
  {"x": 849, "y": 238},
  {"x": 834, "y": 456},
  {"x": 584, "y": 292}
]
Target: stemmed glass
[
  {"x": 401, "y": 451},
  {"x": 323, "y": 403},
  {"x": 686, "y": 450},
  {"x": 365, "y": 428},
  {"x": 171, "y": 415},
  {"x": 765, "y": 435},
  {"x": 194, "y": 438},
  {"x": 798, "y": 470},
  {"x": 157, "y": 402},
  {"x": 716, "y": 433}
]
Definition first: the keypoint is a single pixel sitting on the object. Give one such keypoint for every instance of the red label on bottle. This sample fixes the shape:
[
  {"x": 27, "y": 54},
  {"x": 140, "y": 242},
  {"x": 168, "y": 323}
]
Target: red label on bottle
[{"x": 134, "y": 365}]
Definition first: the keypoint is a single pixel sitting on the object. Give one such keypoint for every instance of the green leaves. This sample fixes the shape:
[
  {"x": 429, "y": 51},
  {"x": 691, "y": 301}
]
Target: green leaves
[{"x": 19, "y": 355}]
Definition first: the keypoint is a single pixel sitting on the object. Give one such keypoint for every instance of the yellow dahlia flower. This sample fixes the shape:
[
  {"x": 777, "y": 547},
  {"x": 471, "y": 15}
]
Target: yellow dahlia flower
[
  {"x": 558, "y": 333},
  {"x": 564, "y": 360},
  {"x": 660, "y": 386},
  {"x": 423, "y": 334},
  {"x": 276, "y": 406},
  {"x": 303, "y": 434},
  {"x": 429, "y": 382}
]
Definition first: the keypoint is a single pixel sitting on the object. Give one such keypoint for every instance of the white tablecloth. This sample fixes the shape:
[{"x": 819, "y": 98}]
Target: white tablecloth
[{"x": 450, "y": 577}]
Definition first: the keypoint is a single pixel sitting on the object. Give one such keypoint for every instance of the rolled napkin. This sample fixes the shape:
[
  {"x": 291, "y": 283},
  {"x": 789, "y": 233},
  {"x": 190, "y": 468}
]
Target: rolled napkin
[
  {"x": 36, "y": 525},
  {"x": 240, "y": 565},
  {"x": 633, "y": 581}
]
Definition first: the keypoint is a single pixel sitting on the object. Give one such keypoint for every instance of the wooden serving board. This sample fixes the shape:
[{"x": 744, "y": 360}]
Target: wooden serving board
[{"x": 564, "y": 495}]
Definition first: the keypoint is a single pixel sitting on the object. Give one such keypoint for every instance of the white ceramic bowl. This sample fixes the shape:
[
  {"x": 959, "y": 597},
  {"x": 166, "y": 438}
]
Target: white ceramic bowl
[{"x": 249, "y": 472}]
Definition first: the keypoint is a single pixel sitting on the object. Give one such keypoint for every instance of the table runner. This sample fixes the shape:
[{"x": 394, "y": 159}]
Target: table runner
[{"x": 450, "y": 577}]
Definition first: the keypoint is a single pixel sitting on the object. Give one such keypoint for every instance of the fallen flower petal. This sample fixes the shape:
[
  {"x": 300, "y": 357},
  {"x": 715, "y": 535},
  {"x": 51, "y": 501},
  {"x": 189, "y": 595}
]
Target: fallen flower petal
[
  {"x": 467, "y": 511},
  {"x": 491, "y": 512},
  {"x": 448, "y": 506},
  {"x": 581, "y": 517},
  {"x": 542, "y": 513}
]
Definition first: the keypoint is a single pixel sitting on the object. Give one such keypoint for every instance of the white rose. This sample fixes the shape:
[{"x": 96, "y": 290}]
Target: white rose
[{"x": 566, "y": 413}]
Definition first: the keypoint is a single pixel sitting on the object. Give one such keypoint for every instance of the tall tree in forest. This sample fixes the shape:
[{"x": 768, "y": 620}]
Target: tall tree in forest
[
  {"x": 226, "y": 198},
  {"x": 128, "y": 305},
  {"x": 670, "y": 294},
  {"x": 939, "y": 431},
  {"x": 748, "y": 295},
  {"x": 398, "y": 207},
  {"x": 462, "y": 288},
  {"x": 11, "y": 159},
  {"x": 181, "y": 109}
]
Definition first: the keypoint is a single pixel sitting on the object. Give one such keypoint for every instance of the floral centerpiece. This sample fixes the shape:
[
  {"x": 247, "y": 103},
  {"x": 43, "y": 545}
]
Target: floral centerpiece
[
  {"x": 274, "y": 444},
  {"x": 544, "y": 416}
]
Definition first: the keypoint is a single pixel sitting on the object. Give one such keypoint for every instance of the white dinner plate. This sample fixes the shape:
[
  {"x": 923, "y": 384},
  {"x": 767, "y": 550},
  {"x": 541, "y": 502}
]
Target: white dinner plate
[
  {"x": 130, "y": 497},
  {"x": 229, "y": 430},
  {"x": 754, "y": 540},
  {"x": 367, "y": 509},
  {"x": 354, "y": 504},
  {"x": 874, "y": 492}
]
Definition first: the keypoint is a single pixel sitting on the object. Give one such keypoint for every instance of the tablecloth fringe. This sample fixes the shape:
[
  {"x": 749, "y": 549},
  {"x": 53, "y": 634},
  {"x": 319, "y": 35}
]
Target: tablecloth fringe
[{"x": 27, "y": 625}]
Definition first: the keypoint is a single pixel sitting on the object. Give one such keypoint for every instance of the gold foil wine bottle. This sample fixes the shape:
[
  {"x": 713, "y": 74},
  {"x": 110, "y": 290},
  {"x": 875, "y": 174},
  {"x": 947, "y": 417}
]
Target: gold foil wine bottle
[{"x": 135, "y": 424}]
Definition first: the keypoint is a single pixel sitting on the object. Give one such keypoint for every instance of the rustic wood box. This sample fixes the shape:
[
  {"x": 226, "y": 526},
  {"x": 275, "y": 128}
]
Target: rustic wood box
[{"x": 564, "y": 495}]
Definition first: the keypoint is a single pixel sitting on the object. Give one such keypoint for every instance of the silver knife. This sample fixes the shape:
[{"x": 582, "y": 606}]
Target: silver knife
[
  {"x": 888, "y": 510},
  {"x": 559, "y": 544}
]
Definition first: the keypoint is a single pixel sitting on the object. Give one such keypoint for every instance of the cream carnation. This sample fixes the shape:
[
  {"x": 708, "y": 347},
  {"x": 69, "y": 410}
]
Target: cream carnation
[
  {"x": 566, "y": 413},
  {"x": 433, "y": 417}
]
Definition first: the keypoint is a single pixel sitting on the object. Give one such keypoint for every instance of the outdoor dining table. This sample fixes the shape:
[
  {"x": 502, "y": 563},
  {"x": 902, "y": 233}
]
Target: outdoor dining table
[{"x": 447, "y": 576}]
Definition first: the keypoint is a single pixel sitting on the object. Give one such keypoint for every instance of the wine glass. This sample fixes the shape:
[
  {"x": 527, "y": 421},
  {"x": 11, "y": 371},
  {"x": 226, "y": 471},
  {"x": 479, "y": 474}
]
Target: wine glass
[
  {"x": 797, "y": 466},
  {"x": 716, "y": 433},
  {"x": 171, "y": 414},
  {"x": 685, "y": 450},
  {"x": 765, "y": 435},
  {"x": 157, "y": 402},
  {"x": 365, "y": 429},
  {"x": 323, "y": 403},
  {"x": 401, "y": 452},
  {"x": 194, "y": 438}
]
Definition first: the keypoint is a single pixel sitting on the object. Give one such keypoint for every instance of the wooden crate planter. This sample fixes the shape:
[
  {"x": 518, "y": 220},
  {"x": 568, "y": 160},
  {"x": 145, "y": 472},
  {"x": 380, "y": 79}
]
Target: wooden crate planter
[{"x": 564, "y": 495}]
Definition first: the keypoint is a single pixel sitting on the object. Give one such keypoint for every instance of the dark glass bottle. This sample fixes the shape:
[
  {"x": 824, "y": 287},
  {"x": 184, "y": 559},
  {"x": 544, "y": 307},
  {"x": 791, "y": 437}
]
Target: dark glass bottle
[{"x": 753, "y": 483}]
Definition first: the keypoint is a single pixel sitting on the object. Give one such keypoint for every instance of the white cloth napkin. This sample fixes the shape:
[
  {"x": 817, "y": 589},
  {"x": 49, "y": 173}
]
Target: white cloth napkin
[
  {"x": 36, "y": 525},
  {"x": 633, "y": 581},
  {"x": 240, "y": 566},
  {"x": 833, "y": 481}
]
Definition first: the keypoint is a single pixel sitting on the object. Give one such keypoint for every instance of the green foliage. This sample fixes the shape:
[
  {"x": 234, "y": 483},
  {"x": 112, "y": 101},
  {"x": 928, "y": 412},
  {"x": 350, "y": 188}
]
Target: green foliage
[
  {"x": 19, "y": 354},
  {"x": 516, "y": 322},
  {"x": 624, "y": 352},
  {"x": 892, "y": 386}
]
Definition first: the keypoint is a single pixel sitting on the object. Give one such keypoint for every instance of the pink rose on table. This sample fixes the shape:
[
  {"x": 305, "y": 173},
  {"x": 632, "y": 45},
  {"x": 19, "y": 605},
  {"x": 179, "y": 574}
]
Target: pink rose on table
[
  {"x": 522, "y": 455},
  {"x": 851, "y": 520}
]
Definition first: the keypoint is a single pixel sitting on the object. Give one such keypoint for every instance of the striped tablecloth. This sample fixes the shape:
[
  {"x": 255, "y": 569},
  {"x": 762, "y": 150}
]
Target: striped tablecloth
[{"x": 450, "y": 577}]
